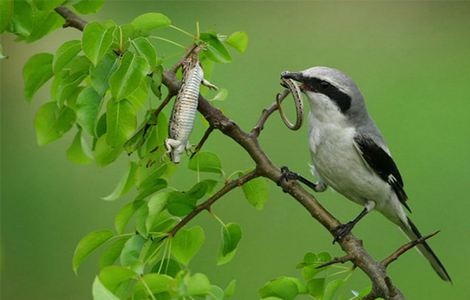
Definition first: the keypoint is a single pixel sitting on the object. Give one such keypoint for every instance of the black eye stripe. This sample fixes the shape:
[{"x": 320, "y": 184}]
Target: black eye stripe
[{"x": 342, "y": 100}]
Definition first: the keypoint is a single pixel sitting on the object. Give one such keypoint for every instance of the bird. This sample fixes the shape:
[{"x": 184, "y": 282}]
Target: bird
[{"x": 350, "y": 155}]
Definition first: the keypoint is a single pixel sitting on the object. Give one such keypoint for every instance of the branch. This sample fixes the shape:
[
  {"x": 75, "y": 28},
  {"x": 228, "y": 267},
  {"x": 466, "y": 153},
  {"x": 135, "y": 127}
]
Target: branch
[
  {"x": 382, "y": 285},
  {"x": 71, "y": 19},
  {"x": 336, "y": 260},
  {"x": 163, "y": 104},
  {"x": 206, "y": 205},
  {"x": 202, "y": 141},
  {"x": 400, "y": 251},
  {"x": 267, "y": 113}
]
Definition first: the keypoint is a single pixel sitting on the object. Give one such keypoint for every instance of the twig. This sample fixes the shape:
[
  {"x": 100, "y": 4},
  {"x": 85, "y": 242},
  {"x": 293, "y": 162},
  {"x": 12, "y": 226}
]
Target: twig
[
  {"x": 206, "y": 205},
  {"x": 71, "y": 19},
  {"x": 267, "y": 112},
  {"x": 163, "y": 104},
  {"x": 336, "y": 260},
  {"x": 202, "y": 141},
  {"x": 400, "y": 251}
]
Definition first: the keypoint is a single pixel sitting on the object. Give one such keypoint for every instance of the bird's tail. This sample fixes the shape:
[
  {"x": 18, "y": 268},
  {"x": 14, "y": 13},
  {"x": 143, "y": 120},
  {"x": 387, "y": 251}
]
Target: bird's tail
[{"x": 413, "y": 233}]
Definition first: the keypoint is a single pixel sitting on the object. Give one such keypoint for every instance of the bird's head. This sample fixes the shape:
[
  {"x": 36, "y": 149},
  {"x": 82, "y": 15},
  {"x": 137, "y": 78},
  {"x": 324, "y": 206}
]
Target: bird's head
[{"x": 330, "y": 92}]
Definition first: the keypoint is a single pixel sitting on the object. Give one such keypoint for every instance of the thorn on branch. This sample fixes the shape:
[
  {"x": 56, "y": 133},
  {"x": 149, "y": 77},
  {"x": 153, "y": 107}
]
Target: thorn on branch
[
  {"x": 336, "y": 260},
  {"x": 202, "y": 141},
  {"x": 163, "y": 104},
  {"x": 403, "y": 249}
]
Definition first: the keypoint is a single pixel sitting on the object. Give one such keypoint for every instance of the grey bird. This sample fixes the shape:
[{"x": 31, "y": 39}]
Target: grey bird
[{"x": 350, "y": 155}]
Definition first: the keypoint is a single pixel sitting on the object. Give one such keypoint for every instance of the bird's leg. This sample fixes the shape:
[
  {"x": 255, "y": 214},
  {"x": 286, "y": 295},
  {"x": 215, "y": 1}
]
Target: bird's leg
[
  {"x": 342, "y": 230},
  {"x": 286, "y": 174}
]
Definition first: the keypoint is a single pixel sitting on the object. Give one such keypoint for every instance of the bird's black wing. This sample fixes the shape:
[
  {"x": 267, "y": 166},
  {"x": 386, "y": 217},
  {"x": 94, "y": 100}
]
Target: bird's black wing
[{"x": 382, "y": 164}]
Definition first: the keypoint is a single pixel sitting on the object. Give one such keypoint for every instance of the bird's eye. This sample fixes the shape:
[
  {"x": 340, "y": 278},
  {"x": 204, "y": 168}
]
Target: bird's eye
[{"x": 324, "y": 84}]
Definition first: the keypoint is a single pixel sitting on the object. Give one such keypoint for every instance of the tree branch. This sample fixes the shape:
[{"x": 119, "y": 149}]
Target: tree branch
[
  {"x": 382, "y": 285},
  {"x": 206, "y": 205},
  {"x": 400, "y": 251},
  {"x": 203, "y": 140},
  {"x": 267, "y": 112},
  {"x": 71, "y": 19}
]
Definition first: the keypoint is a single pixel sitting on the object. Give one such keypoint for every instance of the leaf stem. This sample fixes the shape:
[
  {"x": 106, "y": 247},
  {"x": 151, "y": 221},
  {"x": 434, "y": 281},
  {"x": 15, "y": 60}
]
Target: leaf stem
[
  {"x": 168, "y": 41},
  {"x": 149, "y": 291},
  {"x": 181, "y": 30}
]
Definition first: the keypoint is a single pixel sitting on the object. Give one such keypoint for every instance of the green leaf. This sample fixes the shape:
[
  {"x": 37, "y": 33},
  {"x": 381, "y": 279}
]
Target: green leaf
[
  {"x": 128, "y": 76},
  {"x": 256, "y": 192},
  {"x": 139, "y": 95},
  {"x": 109, "y": 255},
  {"x": 140, "y": 218},
  {"x": 47, "y": 4},
  {"x": 156, "y": 82},
  {"x": 205, "y": 162},
  {"x": 179, "y": 204},
  {"x": 79, "y": 152},
  {"x": 150, "y": 21},
  {"x": 88, "y": 107},
  {"x": 100, "y": 128},
  {"x": 65, "y": 54},
  {"x": 125, "y": 214},
  {"x": 130, "y": 254},
  {"x": 36, "y": 72},
  {"x": 221, "y": 95},
  {"x": 169, "y": 266},
  {"x": 105, "y": 154},
  {"x": 88, "y": 244},
  {"x": 32, "y": 24},
  {"x": 125, "y": 184},
  {"x": 88, "y": 6},
  {"x": 198, "y": 285},
  {"x": 231, "y": 235},
  {"x": 200, "y": 189},
  {"x": 331, "y": 288},
  {"x": 121, "y": 122},
  {"x": 100, "y": 292},
  {"x": 65, "y": 84},
  {"x": 238, "y": 40},
  {"x": 96, "y": 41},
  {"x": 216, "y": 50},
  {"x": 285, "y": 288},
  {"x": 6, "y": 12},
  {"x": 146, "y": 50},
  {"x": 157, "y": 283},
  {"x": 230, "y": 289},
  {"x": 156, "y": 204},
  {"x": 362, "y": 293},
  {"x": 216, "y": 293},
  {"x": 52, "y": 122},
  {"x": 316, "y": 287},
  {"x": 100, "y": 74},
  {"x": 187, "y": 243},
  {"x": 112, "y": 276}
]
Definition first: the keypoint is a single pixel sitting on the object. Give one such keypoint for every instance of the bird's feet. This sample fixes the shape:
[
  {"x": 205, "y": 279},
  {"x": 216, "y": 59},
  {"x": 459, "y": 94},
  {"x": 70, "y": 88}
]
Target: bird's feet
[
  {"x": 342, "y": 230},
  {"x": 286, "y": 175}
]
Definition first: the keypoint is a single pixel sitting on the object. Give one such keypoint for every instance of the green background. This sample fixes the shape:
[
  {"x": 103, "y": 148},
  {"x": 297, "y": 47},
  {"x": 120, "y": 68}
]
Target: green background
[{"x": 412, "y": 63}]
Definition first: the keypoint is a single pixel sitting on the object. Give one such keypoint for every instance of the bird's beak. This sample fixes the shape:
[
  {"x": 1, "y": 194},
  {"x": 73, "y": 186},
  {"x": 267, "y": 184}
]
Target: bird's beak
[{"x": 297, "y": 76}]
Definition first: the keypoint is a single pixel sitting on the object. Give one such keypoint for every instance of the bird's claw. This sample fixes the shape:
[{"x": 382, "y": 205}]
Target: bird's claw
[
  {"x": 342, "y": 230},
  {"x": 286, "y": 175}
]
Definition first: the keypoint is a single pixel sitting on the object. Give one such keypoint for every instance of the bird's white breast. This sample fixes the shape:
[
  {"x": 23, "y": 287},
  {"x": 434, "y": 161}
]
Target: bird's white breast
[{"x": 338, "y": 163}]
